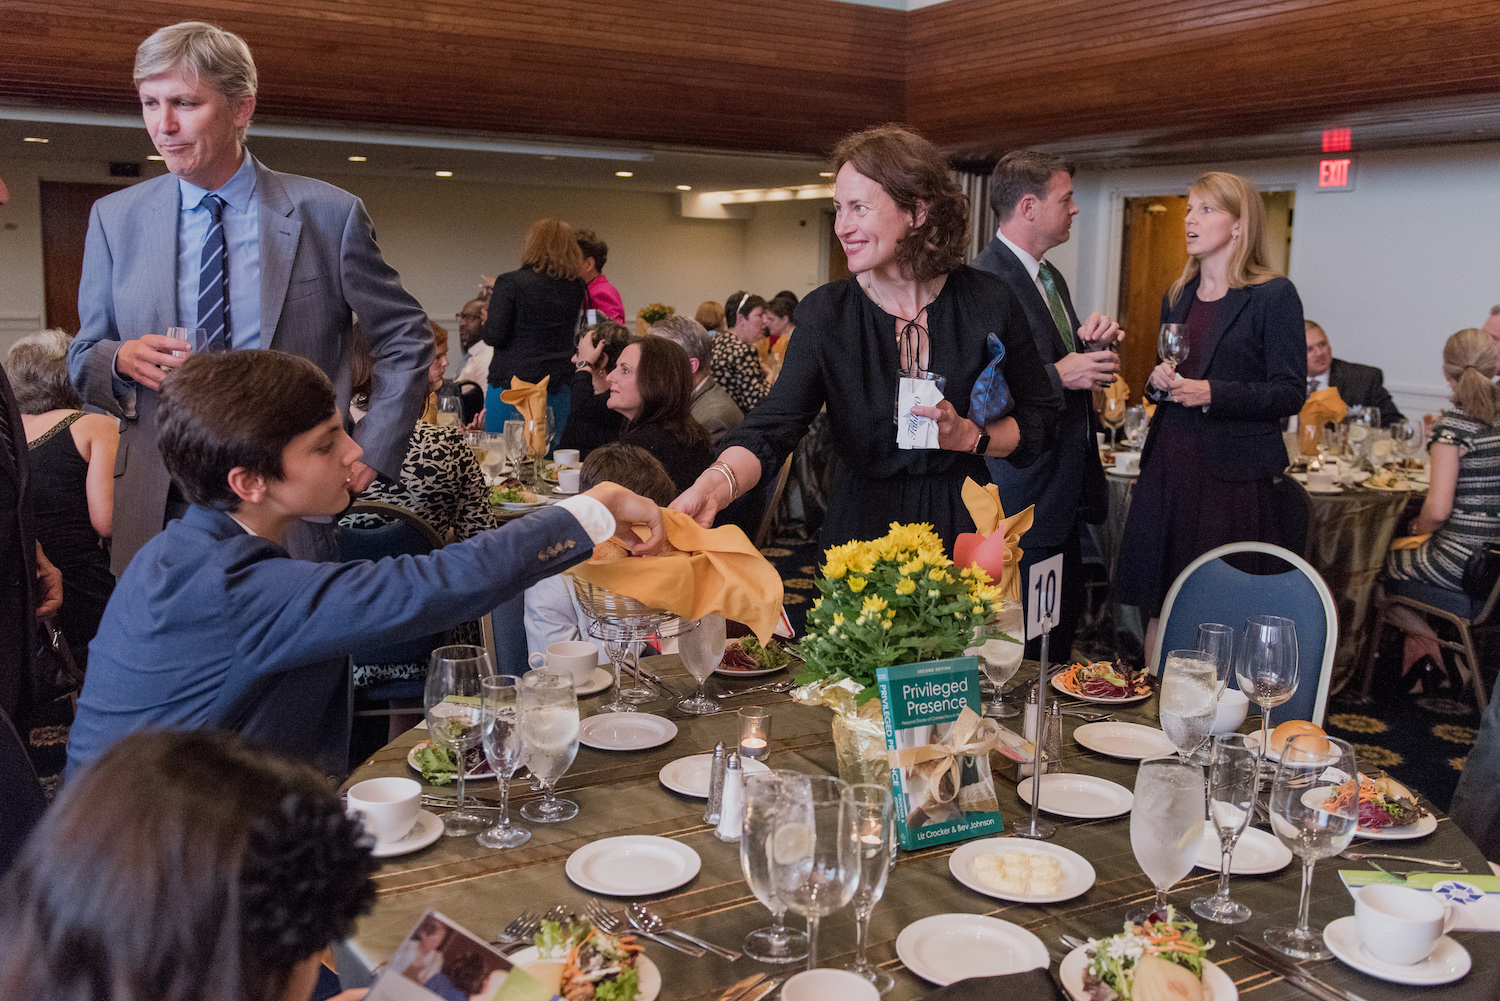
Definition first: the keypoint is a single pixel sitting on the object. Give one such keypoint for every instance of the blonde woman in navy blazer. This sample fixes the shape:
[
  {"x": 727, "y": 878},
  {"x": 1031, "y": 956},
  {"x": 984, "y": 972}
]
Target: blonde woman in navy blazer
[{"x": 1215, "y": 452}]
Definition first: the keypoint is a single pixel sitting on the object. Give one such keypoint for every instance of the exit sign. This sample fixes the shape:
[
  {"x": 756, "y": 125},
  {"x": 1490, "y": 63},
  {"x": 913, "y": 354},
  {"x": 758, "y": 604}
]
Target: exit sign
[{"x": 1336, "y": 175}]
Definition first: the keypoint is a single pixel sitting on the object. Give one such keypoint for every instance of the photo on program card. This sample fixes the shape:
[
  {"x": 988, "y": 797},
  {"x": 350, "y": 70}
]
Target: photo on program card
[{"x": 439, "y": 959}]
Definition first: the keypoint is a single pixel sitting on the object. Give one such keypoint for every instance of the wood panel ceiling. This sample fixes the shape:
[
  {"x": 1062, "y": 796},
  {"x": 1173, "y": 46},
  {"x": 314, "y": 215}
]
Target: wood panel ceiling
[{"x": 1106, "y": 80}]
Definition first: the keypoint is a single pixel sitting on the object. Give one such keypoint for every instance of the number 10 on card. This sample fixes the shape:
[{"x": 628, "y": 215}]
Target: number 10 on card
[{"x": 1042, "y": 594}]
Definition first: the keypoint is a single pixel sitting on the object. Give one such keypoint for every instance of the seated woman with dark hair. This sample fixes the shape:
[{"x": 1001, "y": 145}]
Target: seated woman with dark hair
[
  {"x": 652, "y": 388},
  {"x": 590, "y": 421},
  {"x": 184, "y": 865}
]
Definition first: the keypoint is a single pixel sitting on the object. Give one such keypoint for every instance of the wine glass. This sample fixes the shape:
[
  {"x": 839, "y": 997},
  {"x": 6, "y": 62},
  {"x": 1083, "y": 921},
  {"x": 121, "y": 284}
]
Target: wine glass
[
  {"x": 1404, "y": 438},
  {"x": 620, "y": 653},
  {"x": 538, "y": 444},
  {"x": 1000, "y": 658},
  {"x": 765, "y": 793},
  {"x": 874, "y": 830},
  {"x": 1217, "y": 641},
  {"x": 701, "y": 649},
  {"x": 549, "y": 730},
  {"x": 1189, "y": 700},
  {"x": 1166, "y": 824},
  {"x": 1113, "y": 415},
  {"x": 1266, "y": 666},
  {"x": 1135, "y": 425},
  {"x": 499, "y": 709},
  {"x": 451, "y": 697},
  {"x": 814, "y": 856},
  {"x": 1172, "y": 344},
  {"x": 1314, "y": 811},
  {"x": 494, "y": 457},
  {"x": 449, "y": 407},
  {"x": 514, "y": 438},
  {"x": 1232, "y": 787}
]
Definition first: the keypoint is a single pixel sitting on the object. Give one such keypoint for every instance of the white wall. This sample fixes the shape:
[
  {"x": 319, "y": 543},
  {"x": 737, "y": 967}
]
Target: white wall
[{"x": 1390, "y": 269}]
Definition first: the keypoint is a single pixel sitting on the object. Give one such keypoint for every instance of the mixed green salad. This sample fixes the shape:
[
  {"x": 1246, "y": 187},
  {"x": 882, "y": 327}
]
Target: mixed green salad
[
  {"x": 437, "y": 762},
  {"x": 1116, "y": 961},
  {"x": 596, "y": 966},
  {"x": 506, "y": 495}
]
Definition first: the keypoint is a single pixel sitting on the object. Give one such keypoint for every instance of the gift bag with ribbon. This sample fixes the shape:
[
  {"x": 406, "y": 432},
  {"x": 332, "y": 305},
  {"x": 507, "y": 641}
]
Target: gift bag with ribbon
[{"x": 939, "y": 750}]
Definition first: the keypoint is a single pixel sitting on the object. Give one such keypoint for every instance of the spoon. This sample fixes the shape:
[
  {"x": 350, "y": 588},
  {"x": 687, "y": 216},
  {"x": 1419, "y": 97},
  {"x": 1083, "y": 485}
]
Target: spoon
[{"x": 775, "y": 686}]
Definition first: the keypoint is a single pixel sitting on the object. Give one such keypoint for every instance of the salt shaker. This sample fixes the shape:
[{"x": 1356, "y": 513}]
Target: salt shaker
[
  {"x": 715, "y": 786},
  {"x": 1052, "y": 741},
  {"x": 732, "y": 803},
  {"x": 1028, "y": 722}
]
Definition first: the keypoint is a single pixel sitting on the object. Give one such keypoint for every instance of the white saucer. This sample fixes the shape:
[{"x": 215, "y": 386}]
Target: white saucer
[
  {"x": 946, "y": 948},
  {"x": 1420, "y": 829},
  {"x": 625, "y": 731},
  {"x": 1256, "y": 853},
  {"x": 1077, "y": 874},
  {"x": 427, "y": 829},
  {"x": 632, "y": 865},
  {"x": 649, "y": 985},
  {"x": 690, "y": 776},
  {"x": 565, "y": 493},
  {"x": 1084, "y": 797},
  {"x": 1448, "y": 962},
  {"x": 1216, "y": 983},
  {"x": 1131, "y": 741},
  {"x": 596, "y": 682}
]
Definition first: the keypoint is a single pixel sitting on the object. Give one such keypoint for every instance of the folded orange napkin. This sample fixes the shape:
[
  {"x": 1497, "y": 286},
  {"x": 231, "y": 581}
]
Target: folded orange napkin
[
  {"x": 1325, "y": 406},
  {"x": 996, "y": 543},
  {"x": 531, "y": 401},
  {"x": 717, "y": 570},
  {"x": 1117, "y": 390},
  {"x": 1410, "y": 541},
  {"x": 1150, "y": 408}
]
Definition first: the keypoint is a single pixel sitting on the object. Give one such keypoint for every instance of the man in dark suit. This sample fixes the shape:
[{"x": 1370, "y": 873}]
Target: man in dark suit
[
  {"x": 1358, "y": 385},
  {"x": 1032, "y": 196},
  {"x": 253, "y": 257}
]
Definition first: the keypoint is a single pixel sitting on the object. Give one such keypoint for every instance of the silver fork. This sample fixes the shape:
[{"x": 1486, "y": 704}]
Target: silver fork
[
  {"x": 522, "y": 927},
  {"x": 614, "y": 925},
  {"x": 649, "y": 921},
  {"x": 1441, "y": 863}
]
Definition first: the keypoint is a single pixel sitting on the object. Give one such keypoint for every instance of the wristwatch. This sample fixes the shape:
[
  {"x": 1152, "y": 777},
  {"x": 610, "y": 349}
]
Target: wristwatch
[{"x": 983, "y": 444}]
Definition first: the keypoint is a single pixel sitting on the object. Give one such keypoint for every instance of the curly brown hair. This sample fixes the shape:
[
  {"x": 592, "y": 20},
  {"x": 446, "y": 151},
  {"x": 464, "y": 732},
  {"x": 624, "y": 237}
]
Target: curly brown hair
[{"x": 914, "y": 173}]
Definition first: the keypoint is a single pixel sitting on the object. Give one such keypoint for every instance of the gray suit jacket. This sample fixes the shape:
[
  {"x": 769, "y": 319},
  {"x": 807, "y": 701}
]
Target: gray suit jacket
[
  {"x": 715, "y": 409},
  {"x": 319, "y": 266}
]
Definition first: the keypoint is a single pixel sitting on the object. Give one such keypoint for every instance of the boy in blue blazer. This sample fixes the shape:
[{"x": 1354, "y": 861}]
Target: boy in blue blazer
[{"x": 214, "y": 625}]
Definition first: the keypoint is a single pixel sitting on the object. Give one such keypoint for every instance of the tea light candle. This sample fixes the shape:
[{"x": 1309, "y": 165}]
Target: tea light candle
[{"x": 755, "y": 731}]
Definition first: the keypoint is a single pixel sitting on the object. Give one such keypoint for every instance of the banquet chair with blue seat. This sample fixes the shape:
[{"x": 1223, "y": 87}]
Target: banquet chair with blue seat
[{"x": 1210, "y": 589}]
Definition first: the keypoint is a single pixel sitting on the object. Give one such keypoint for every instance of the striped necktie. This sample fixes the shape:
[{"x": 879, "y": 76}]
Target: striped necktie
[
  {"x": 1055, "y": 304},
  {"x": 213, "y": 276}
]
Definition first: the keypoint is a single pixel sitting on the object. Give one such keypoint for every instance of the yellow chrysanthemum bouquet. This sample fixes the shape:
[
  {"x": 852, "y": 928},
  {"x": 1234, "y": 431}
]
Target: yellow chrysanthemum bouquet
[{"x": 894, "y": 600}]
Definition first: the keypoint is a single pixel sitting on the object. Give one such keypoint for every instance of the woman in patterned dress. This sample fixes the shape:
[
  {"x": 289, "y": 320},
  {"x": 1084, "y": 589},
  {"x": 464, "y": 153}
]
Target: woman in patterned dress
[{"x": 1462, "y": 509}]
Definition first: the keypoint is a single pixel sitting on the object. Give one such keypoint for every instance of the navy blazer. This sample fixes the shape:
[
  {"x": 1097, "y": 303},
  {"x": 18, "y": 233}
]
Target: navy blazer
[
  {"x": 1255, "y": 361},
  {"x": 213, "y": 627},
  {"x": 1067, "y": 483}
]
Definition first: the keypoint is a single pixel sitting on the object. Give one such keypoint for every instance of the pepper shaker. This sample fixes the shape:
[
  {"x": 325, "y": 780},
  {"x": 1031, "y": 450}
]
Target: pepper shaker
[
  {"x": 732, "y": 804},
  {"x": 715, "y": 786},
  {"x": 1052, "y": 741}
]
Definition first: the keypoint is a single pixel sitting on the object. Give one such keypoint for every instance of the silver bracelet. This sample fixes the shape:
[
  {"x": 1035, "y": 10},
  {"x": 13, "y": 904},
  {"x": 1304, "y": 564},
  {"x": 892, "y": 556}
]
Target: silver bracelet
[{"x": 728, "y": 473}]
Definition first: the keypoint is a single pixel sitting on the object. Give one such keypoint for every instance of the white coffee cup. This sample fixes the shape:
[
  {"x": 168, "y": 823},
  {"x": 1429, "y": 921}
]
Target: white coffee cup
[
  {"x": 567, "y": 481},
  {"x": 574, "y": 658},
  {"x": 1233, "y": 706},
  {"x": 389, "y": 806},
  {"x": 1322, "y": 479},
  {"x": 1127, "y": 462},
  {"x": 826, "y": 984},
  {"x": 566, "y": 457},
  {"x": 1400, "y": 925}
]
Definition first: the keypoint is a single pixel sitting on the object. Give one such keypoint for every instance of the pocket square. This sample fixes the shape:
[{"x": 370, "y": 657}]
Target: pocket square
[{"x": 990, "y": 399}]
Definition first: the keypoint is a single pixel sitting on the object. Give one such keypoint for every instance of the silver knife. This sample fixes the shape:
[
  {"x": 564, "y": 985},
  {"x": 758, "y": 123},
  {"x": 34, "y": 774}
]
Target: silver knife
[
  {"x": 1293, "y": 973},
  {"x": 763, "y": 991},
  {"x": 737, "y": 991}
]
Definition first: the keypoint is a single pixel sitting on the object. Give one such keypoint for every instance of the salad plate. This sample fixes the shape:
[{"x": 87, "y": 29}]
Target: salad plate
[
  {"x": 690, "y": 776},
  {"x": 632, "y": 865},
  {"x": 1406, "y": 832},
  {"x": 479, "y": 771},
  {"x": 1450, "y": 961},
  {"x": 427, "y": 829},
  {"x": 1077, "y": 873},
  {"x": 1073, "y": 681},
  {"x": 650, "y": 975},
  {"x": 1216, "y": 983},
  {"x": 1131, "y": 741},
  {"x": 1256, "y": 853},
  {"x": 625, "y": 731},
  {"x": 946, "y": 948},
  {"x": 1083, "y": 797},
  {"x": 746, "y": 658}
]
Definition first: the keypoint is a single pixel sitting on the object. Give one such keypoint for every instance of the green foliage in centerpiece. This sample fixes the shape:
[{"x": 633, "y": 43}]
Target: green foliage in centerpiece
[{"x": 895, "y": 600}]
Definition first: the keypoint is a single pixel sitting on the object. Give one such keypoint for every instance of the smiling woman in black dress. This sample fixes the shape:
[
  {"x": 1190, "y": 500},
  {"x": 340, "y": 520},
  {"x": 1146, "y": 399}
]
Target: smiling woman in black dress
[{"x": 911, "y": 304}]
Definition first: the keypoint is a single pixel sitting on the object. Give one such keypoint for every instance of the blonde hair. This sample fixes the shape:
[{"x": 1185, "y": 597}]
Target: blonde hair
[
  {"x": 551, "y": 247},
  {"x": 200, "y": 50},
  {"x": 1470, "y": 361},
  {"x": 1249, "y": 259}
]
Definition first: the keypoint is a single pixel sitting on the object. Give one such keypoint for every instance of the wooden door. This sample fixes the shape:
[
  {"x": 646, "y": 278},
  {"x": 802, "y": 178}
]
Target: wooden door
[
  {"x": 65, "y": 224},
  {"x": 1154, "y": 253}
]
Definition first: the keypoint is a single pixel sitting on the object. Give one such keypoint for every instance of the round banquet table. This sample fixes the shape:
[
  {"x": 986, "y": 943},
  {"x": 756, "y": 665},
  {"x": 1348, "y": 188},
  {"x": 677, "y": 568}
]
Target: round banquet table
[
  {"x": 1348, "y": 535},
  {"x": 618, "y": 793}
]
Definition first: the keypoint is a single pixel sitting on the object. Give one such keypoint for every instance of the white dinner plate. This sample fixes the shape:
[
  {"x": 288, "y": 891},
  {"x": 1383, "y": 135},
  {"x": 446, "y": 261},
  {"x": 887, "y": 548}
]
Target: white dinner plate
[
  {"x": 427, "y": 829},
  {"x": 632, "y": 865},
  {"x": 1406, "y": 832},
  {"x": 1448, "y": 962},
  {"x": 479, "y": 771},
  {"x": 1131, "y": 741},
  {"x": 690, "y": 775},
  {"x": 1057, "y": 684},
  {"x": 1255, "y": 853},
  {"x": 757, "y": 673},
  {"x": 625, "y": 731},
  {"x": 650, "y": 976},
  {"x": 1083, "y": 797},
  {"x": 946, "y": 948},
  {"x": 1077, "y": 873},
  {"x": 1216, "y": 983},
  {"x": 520, "y": 505}
]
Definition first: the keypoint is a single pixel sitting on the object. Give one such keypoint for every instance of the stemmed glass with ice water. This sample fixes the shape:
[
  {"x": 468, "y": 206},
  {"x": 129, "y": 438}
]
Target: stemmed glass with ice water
[
  {"x": 1232, "y": 787},
  {"x": 1000, "y": 658},
  {"x": 549, "y": 731},
  {"x": 1266, "y": 666},
  {"x": 1314, "y": 811},
  {"x": 538, "y": 444},
  {"x": 499, "y": 708},
  {"x": 1135, "y": 425},
  {"x": 1166, "y": 824},
  {"x": 875, "y": 842},
  {"x": 451, "y": 696},
  {"x": 701, "y": 650},
  {"x": 1189, "y": 699},
  {"x": 765, "y": 795},
  {"x": 814, "y": 861}
]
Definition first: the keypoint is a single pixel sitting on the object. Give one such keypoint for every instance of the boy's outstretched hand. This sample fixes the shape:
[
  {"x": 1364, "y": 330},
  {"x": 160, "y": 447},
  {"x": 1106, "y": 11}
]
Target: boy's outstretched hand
[{"x": 631, "y": 510}]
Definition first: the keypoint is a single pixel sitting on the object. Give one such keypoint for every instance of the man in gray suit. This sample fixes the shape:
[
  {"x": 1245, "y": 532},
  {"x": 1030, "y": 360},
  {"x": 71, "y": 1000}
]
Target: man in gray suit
[
  {"x": 712, "y": 406},
  {"x": 253, "y": 257},
  {"x": 1032, "y": 196}
]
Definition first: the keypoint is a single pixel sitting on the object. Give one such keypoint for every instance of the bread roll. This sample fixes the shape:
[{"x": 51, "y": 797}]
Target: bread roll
[{"x": 1283, "y": 734}]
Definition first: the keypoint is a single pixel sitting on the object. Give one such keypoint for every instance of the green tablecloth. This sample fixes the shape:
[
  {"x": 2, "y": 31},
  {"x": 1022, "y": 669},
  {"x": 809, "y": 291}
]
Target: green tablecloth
[{"x": 618, "y": 793}]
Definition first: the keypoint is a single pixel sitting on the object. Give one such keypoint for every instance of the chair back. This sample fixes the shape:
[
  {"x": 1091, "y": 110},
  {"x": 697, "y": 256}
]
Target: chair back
[
  {"x": 20, "y": 791},
  {"x": 470, "y": 400},
  {"x": 1293, "y": 508},
  {"x": 403, "y": 534},
  {"x": 1210, "y": 590}
]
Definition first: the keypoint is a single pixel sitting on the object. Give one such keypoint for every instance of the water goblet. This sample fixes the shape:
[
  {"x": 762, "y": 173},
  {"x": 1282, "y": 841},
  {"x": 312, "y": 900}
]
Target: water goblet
[
  {"x": 874, "y": 830},
  {"x": 1113, "y": 416},
  {"x": 451, "y": 697},
  {"x": 1217, "y": 641},
  {"x": 549, "y": 731},
  {"x": 1166, "y": 824},
  {"x": 765, "y": 792},
  {"x": 1189, "y": 700},
  {"x": 449, "y": 408},
  {"x": 1232, "y": 788},
  {"x": 701, "y": 650},
  {"x": 499, "y": 708},
  {"x": 538, "y": 444},
  {"x": 513, "y": 436},
  {"x": 1000, "y": 656},
  {"x": 1135, "y": 425},
  {"x": 814, "y": 861},
  {"x": 1266, "y": 666}
]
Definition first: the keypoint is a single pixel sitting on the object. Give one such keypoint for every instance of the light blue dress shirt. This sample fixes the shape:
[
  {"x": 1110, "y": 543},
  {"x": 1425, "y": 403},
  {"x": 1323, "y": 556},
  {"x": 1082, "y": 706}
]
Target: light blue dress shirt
[{"x": 241, "y": 247}]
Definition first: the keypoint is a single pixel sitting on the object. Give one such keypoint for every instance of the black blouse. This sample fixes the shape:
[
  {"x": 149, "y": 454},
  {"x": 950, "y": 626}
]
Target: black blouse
[{"x": 530, "y": 326}]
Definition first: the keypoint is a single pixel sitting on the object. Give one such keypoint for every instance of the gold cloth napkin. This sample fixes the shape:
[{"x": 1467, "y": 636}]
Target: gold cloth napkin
[
  {"x": 717, "y": 570},
  {"x": 1118, "y": 390},
  {"x": 941, "y": 764},
  {"x": 531, "y": 400},
  {"x": 1410, "y": 541},
  {"x": 1150, "y": 408},
  {"x": 1325, "y": 406},
  {"x": 996, "y": 542}
]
